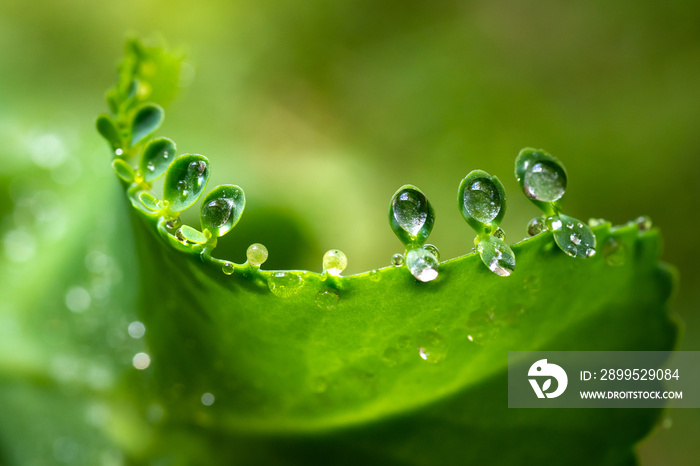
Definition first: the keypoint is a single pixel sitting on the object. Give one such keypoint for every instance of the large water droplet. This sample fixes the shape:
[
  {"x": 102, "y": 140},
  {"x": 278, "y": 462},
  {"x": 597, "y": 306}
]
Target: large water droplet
[
  {"x": 397, "y": 260},
  {"x": 327, "y": 299},
  {"x": 614, "y": 252},
  {"x": 536, "y": 226},
  {"x": 431, "y": 347},
  {"x": 572, "y": 236},
  {"x": 334, "y": 262},
  {"x": 422, "y": 264},
  {"x": 544, "y": 181},
  {"x": 256, "y": 254},
  {"x": 481, "y": 197},
  {"x": 284, "y": 284},
  {"x": 497, "y": 255},
  {"x": 433, "y": 250},
  {"x": 228, "y": 268},
  {"x": 411, "y": 215},
  {"x": 222, "y": 208}
]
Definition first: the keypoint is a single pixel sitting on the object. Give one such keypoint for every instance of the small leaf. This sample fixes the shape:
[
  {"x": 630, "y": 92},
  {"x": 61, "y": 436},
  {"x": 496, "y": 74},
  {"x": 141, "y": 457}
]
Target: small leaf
[
  {"x": 192, "y": 235},
  {"x": 482, "y": 200},
  {"x": 150, "y": 201},
  {"x": 146, "y": 121},
  {"x": 542, "y": 177},
  {"x": 572, "y": 236},
  {"x": 222, "y": 208},
  {"x": 185, "y": 181},
  {"x": 156, "y": 157},
  {"x": 123, "y": 170},
  {"x": 497, "y": 255},
  {"x": 108, "y": 130},
  {"x": 411, "y": 216}
]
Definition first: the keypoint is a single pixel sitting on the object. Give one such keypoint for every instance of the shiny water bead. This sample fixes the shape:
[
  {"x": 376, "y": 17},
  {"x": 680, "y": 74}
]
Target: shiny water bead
[
  {"x": 536, "y": 226},
  {"x": 482, "y": 200},
  {"x": 334, "y": 262},
  {"x": 222, "y": 208},
  {"x": 285, "y": 284},
  {"x": 411, "y": 216},
  {"x": 256, "y": 254},
  {"x": 149, "y": 201},
  {"x": 496, "y": 255},
  {"x": 185, "y": 180},
  {"x": 156, "y": 157},
  {"x": 644, "y": 223},
  {"x": 145, "y": 122},
  {"x": 173, "y": 223},
  {"x": 433, "y": 250},
  {"x": 541, "y": 176},
  {"x": 327, "y": 299},
  {"x": 500, "y": 234},
  {"x": 397, "y": 260},
  {"x": 572, "y": 236},
  {"x": 228, "y": 268},
  {"x": 422, "y": 264}
]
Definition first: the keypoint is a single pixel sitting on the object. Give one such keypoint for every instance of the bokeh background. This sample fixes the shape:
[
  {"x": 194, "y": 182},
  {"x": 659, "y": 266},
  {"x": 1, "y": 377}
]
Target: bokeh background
[{"x": 321, "y": 109}]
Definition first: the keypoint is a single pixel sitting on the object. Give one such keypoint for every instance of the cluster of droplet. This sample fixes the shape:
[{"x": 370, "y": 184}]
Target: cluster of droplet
[
  {"x": 411, "y": 218},
  {"x": 542, "y": 178},
  {"x": 482, "y": 201}
]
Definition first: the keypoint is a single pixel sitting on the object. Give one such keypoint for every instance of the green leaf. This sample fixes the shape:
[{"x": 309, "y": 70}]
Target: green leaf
[
  {"x": 383, "y": 368},
  {"x": 222, "y": 208},
  {"x": 123, "y": 170},
  {"x": 108, "y": 130},
  {"x": 481, "y": 199},
  {"x": 156, "y": 157},
  {"x": 147, "y": 119},
  {"x": 185, "y": 180},
  {"x": 150, "y": 202},
  {"x": 192, "y": 235},
  {"x": 411, "y": 216}
]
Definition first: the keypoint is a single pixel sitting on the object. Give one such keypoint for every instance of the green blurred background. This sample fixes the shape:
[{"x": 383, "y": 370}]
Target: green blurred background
[{"x": 321, "y": 109}]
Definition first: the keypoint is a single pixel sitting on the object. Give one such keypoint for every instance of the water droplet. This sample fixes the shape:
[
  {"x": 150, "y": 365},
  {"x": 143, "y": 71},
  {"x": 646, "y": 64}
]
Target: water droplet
[
  {"x": 422, "y": 264},
  {"x": 78, "y": 299},
  {"x": 433, "y": 250},
  {"x": 500, "y": 234},
  {"x": 137, "y": 329},
  {"x": 553, "y": 223},
  {"x": 141, "y": 361},
  {"x": 470, "y": 338},
  {"x": 497, "y": 255},
  {"x": 228, "y": 268},
  {"x": 536, "y": 226},
  {"x": 173, "y": 223},
  {"x": 431, "y": 347},
  {"x": 327, "y": 299},
  {"x": 573, "y": 237},
  {"x": 256, "y": 254},
  {"x": 595, "y": 222},
  {"x": 544, "y": 181},
  {"x": 150, "y": 167},
  {"x": 118, "y": 152},
  {"x": 391, "y": 356},
  {"x": 374, "y": 276},
  {"x": 222, "y": 208},
  {"x": 614, "y": 252},
  {"x": 644, "y": 223},
  {"x": 397, "y": 260},
  {"x": 185, "y": 179},
  {"x": 182, "y": 188},
  {"x": 284, "y": 284},
  {"x": 411, "y": 215},
  {"x": 207, "y": 399},
  {"x": 334, "y": 262},
  {"x": 481, "y": 197}
]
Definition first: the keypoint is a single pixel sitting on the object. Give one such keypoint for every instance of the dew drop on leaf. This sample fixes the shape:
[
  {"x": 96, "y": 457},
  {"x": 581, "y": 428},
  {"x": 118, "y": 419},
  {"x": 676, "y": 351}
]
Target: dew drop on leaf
[
  {"x": 497, "y": 255},
  {"x": 222, "y": 208},
  {"x": 422, "y": 264},
  {"x": 433, "y": 250},
  {"x": 156, "y": 158},
  {"x": 536, "y": 226},
  {"x": 334, "y": 262},
  {"x": 500, "y": 234},
  {"x": 411, "y": 216},
  {"x": 228, "y": 268},
  {"x": 572, "y": 236},
  {"x": 284, "y": 284},
  {"x": 185, "y": 180},
  {"x": 327, "y": 299},
  {"x": 397, "y": 260},
  {"x": 256, "y": 254},
  {"x": 544, "y": 181},
  {"x": 481, "y": 198}
]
